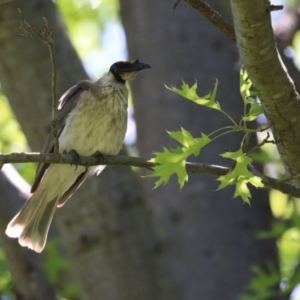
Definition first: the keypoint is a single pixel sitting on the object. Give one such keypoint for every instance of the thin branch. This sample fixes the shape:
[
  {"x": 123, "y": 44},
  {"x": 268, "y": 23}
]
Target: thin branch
[
  {"x": 199, "y": 168},
  {"x": 46, "y": 36},
  {"x": 280, "y": 185},
  {"x": 213, "y": 16},
  {"x": 54, "y": 72},
  {"x": 263, "y": 142},
  {"x": 275, "y": 7},
  {"x": 175, "y": 4}
]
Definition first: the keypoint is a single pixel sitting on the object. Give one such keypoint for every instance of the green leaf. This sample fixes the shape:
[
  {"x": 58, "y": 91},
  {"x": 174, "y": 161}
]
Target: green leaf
[
  {"x": 249, "y": 97},
  {"x": 245, "y": 84},
  {"x": 173, "y": 161},
  {"x": 169, "y": 163},
  {"x": 239, "y": 175},
  {"x": 254, "y": 111},
  {"x": 190, "y": 144},
  {"x": 191, "y": 93}
]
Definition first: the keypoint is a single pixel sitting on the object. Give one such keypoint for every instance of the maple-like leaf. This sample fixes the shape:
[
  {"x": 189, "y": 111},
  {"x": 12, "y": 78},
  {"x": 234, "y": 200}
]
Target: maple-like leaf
[
  {"x": 190, "y": 93},
  {"x": 172, "y": 161},
  {"x": 239, "y": 175}
]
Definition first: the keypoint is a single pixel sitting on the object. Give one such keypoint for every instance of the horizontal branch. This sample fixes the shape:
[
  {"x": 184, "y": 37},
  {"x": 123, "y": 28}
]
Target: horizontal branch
[{"x": 207, "y": 169}]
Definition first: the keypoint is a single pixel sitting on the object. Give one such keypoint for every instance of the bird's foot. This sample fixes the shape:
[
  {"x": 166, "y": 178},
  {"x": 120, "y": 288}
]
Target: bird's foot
[
  {"x": 75, "y": 158},
  {"x": 98, "y": 154}
]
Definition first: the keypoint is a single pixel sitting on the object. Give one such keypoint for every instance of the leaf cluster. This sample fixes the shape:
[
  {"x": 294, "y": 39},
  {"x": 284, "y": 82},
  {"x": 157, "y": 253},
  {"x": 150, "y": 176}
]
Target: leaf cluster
[{"x": 173, "y": 161}]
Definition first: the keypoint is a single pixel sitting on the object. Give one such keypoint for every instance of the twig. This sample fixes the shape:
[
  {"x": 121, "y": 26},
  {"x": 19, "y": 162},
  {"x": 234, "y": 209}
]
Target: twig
[
  {"x": 213, "y": 16},
  {"x": 274, "y": 7},
  {"x": 199, "y": 168},
  {"x": 246, "y": 143},
  {"x": 46, "y": 36},
  {"x": 175, "y": 4},
  {"x": 263, "y": 142},
  {"x": 267, "y": 127}
]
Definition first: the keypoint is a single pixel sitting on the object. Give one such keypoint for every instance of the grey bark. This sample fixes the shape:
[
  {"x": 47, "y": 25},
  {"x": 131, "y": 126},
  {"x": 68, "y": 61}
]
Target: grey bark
[
  {"x": 106, "y": 227},
  {"x": 208, "y": 238}
]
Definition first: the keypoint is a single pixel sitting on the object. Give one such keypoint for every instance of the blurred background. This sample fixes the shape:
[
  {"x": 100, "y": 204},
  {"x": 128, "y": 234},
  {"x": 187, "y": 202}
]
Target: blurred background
[{"x": 118, "y": 238}]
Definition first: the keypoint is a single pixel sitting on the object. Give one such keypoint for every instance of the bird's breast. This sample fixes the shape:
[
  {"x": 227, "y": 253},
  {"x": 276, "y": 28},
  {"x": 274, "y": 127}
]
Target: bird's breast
[{"x": 97, "y": 123}]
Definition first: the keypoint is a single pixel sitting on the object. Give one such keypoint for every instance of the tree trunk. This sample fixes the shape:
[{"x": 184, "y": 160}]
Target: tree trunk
[
  {"x": 106, "y": 227},
  {"x": 208, "y": 238}
]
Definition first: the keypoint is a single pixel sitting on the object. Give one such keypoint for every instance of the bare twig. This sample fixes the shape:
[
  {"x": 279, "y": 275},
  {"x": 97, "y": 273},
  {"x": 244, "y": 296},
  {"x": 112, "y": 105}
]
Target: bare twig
[
  {"x": 275, "y": 7},
  {"x": 176, "y": 4},
  {"x": 266, "y": 128},
  {"x": 213, "y": 16},
  {"x": 246, "y": 143},
  {"x": 46, "y": 36},
  {"x": 200, "y": 168},
  {"x": 263, "y": 142}
]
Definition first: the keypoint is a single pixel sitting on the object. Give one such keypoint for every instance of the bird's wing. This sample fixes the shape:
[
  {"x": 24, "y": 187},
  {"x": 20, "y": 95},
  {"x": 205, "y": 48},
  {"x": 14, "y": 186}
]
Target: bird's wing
[
  {"x": 66, "y": 104},
  {"x": 78, "y": 182}
]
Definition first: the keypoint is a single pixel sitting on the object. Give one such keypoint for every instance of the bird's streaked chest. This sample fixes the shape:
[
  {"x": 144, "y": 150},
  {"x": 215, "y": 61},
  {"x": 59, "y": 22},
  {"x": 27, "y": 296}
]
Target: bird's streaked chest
[{"x": 97, "y": 123}]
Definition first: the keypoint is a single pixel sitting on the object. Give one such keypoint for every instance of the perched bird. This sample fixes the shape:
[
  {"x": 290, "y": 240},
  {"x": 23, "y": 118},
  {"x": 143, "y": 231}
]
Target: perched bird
[{"x": 92, "y": 118}]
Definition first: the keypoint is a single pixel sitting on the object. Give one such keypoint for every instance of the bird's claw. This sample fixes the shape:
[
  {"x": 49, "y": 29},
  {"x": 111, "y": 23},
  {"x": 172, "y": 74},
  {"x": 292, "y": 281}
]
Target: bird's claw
[
  {"x": 98, "y": 154},
  {"x": 75, "y": 158}
]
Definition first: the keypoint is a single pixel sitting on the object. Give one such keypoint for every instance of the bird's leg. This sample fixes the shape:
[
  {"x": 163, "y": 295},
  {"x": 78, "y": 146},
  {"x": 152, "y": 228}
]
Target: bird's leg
[{"x": 75, "y": 158}]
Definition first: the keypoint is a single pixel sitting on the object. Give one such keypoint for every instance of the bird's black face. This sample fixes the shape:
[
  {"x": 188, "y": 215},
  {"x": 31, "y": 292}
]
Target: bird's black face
[{"x": 123, "y": 70}]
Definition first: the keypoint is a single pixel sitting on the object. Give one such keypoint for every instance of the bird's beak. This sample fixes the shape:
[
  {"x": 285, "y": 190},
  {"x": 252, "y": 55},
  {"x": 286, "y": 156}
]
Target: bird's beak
[{"x": 137, "y": 66}]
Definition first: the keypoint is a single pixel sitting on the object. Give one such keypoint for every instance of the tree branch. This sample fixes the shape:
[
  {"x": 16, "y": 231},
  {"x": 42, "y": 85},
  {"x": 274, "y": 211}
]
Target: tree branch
[
  {"x": 215, "y": 18},
  {"x": 280, "y": 100},
  {"x": 212, "y": 15},
  {"x": 200, "y": 168}
]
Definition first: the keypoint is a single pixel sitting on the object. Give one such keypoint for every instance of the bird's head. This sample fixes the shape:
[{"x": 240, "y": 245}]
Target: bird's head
[{"x": 123, "y": 70}]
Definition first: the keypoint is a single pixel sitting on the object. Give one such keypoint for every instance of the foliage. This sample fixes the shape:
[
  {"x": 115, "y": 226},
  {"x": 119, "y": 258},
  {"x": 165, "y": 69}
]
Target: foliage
[
  {"x": 264, "y": 282},
  {"x": 85, "y": 18},
  {"x": 88, "y": 21},
  {"x": 239, "y": 175},
  {"x": 286, "y": 231},
  {"x": 172, "y": 161}
]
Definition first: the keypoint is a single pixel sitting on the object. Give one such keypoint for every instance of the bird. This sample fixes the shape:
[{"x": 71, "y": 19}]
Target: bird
[{"x": 91, "y": 120}]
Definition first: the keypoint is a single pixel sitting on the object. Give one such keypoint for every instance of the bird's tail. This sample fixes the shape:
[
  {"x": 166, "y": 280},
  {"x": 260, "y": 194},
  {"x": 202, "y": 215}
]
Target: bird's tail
[{"x": 32, "y": 223}]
